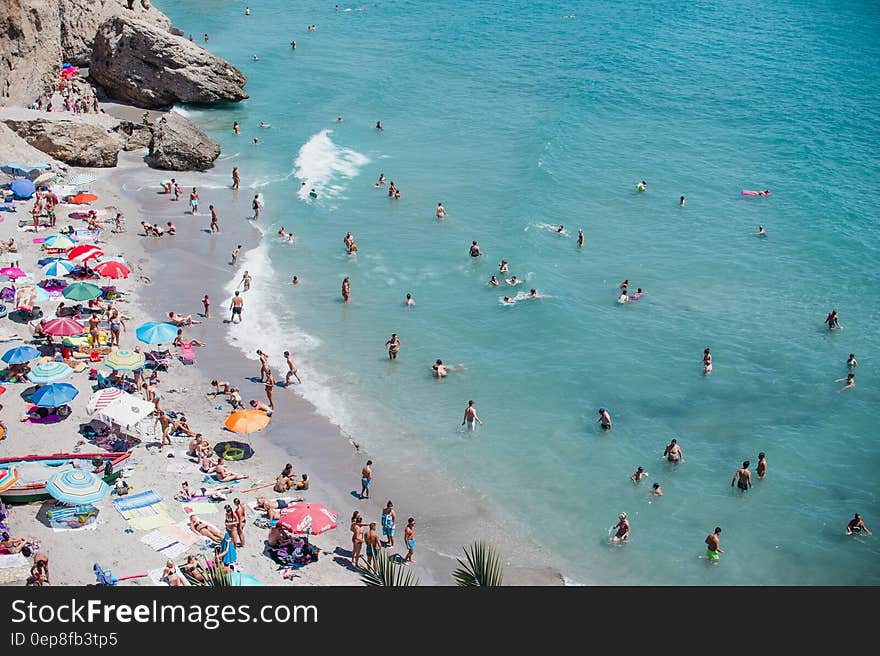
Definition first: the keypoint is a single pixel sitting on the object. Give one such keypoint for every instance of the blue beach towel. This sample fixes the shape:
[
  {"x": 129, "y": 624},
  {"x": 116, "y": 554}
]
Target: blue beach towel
[{"x": 134, "y": 501}]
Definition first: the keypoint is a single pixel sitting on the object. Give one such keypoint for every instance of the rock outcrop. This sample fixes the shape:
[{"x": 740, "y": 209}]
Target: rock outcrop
[
  {"x": 77, "y": 139},
  {"x": 30, "y": 49},
  {"x": 179, "y": 145},
  {"x": 150, "y": 67},
  {"x": 80, "y": 20}
]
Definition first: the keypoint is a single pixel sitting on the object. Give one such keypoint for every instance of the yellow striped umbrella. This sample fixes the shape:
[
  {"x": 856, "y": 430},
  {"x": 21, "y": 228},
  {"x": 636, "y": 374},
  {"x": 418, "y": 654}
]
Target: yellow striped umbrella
[{"x": 125, "y": 360}]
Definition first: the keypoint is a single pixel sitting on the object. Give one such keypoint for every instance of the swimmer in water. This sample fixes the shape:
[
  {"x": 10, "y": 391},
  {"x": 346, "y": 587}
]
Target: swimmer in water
[
  {"x": 637, "y": 295},
  {"x": 850, "y": 382},
  {"x": 503, "y": 266},
  {"x": 580, "y": 241},
  {"x": 560, "y": 229},
  {"x": 493, "y": 281},
  {"x": 657, "y": 490},
  {"x": 707, "y": 361},
  {"x": 761, "y": 232},
  {"x": 856, "y": 526},
  {"x": 533, "y": 293},
  {"x": 638, "y": 474},
  {"x": 832, "y": 321},
  {"x": 409, "y": 300},
  {"x": 512, "y": 281},
  {"x": 441, "y": 212},
  {"x": 641, "y": 186},
  {"x": 509, "y": 300},
  {"x": 622, "y": 527},
  {"x": 851, "y": 362},
  {"x": 440, "y": 370},
  {"x": 681, "y": 201},
  {"x": 381, "y": 180},
  {"x": 379, "y": 125},
  {"x": 295, "y": 281},
  {"x": 673, "y": 452},
  {"x": 624, "y": 285},
  {"x": 255, "y": 141},
  {"x": 282, "y": 233},
  {"x": 761, "y": 468},
  {"x": 604, "y": 419},
  {"x": 264, "y": 125},
  {"x": 236, "y": 127},
  {"x": 256, "y": 58},
  {"x": 623, "y": 298},
  {"x": 742, "y": 477},
  {"x": 475, "y": 250}
]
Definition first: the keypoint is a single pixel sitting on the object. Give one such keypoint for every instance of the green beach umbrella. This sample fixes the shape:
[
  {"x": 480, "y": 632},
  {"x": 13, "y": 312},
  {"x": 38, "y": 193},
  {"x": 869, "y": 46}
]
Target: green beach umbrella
[
  {"x": 49, "y": 372},
  {"x": 81, "y": 291}
]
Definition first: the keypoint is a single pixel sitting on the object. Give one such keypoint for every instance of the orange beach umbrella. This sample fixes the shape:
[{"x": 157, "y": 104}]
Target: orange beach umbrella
[
  {"x": 246, "y": 421},
  {"x": 82, "y": 199}
]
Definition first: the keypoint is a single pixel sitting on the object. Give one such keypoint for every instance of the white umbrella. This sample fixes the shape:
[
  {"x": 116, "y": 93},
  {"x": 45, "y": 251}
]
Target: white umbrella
[
  {"x": 126, "y": 411},
  {"x": 44, "y": 177}
]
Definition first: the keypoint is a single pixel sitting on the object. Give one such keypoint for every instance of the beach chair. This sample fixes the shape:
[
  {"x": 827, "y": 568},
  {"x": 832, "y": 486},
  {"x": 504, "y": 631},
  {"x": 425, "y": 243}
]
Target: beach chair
[
  {"x": 159, "y": 359},
  {"x": 187, "y": 354}
]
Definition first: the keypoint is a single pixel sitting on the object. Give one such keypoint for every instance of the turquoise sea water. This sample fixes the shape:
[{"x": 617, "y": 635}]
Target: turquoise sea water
[{"x": 516, "y": 115}]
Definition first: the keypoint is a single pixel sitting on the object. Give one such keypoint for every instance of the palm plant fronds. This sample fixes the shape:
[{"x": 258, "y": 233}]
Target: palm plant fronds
[
  {"x": 483, "y": 566},
  {"x": 389, "y": 573}
]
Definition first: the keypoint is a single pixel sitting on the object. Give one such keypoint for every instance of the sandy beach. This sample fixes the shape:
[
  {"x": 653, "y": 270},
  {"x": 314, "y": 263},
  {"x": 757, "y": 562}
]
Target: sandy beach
[{"x": 174, "y": 273}]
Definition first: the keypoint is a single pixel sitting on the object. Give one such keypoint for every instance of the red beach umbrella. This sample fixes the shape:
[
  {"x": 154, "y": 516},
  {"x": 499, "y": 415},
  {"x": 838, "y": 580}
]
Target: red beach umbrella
[
  {"x": 84, "y": 252},
  {"x": 62, "y": 327},
  {"x": 113, "y": 269},
  {"x": 313, "y": 518},
  {"x": 81, "y": 199}
]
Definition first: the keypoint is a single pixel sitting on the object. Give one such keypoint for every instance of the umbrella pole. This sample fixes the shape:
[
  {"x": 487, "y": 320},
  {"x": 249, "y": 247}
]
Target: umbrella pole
[{"x": 259, "y": 487}]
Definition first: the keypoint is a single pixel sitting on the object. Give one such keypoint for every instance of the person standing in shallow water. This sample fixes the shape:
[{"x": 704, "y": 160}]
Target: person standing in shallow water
[
  {"x": 761, "y": 469},
  {"x": 742, "y": 477},
  {"x": 236, "y": 178},
  {"x": 470, "y": 416},
  {"x": 346, "y": 290},
  {"x": 393, "y": 345},
  {"x": 604, "y": 419},
  {"x": 713, "y": 544},
  {"x": 236, "y": 307}
]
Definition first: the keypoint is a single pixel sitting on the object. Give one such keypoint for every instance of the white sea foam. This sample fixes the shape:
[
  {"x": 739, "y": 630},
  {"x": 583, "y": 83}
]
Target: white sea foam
[{"x": 326, "y": 167}]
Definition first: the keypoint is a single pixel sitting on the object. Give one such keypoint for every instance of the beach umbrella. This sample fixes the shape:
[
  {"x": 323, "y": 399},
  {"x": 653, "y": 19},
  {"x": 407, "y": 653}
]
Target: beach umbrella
[
  {"x": 14, "y": 168},
  {"x": 232, "y": 450},
  {"x": 62, "y": 327},
  {"x": 81, "y": 291},
  {"x": 20, "y": 354},
  {"x": 23, "y": 188},
  {"x": 54, "y": 395},
  {"x": 82, "y": 199},
  {"x": 102, "y": 398},
  {"x": 313, "y": 518},
  {"x": 112, "y": 269},
  {"x": 81, "y": 179},
  {"x": 44, "y": 177},
  {"x": 61, "y": 242},
  {"x": 76, "y": 487},
  {"x": 110, "y": 258},
  {"x": 246, "y": 421},
  {"x": 49, "y": 372},
  {"x": 41, "y": 166},
  {"x": 84, "y": 252},
  {"x": 125, "y": 360},
  {"x": 12, "y": 272},
  {"x": 27, "y": 295},
  {"x": 126, "y": 411},
  {"x": 8, "y": 478},
  {"x": 155, "y": 332},
  {"x": 57, "y": 267}
]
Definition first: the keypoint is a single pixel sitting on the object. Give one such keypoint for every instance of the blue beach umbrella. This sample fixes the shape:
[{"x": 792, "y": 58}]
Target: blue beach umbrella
[
  {"x": 58, "y": 267},
  {"x": 76, "y": 487},
  {"x": 42, "y": 166},
  {"x": 20, "y": 355},
  {"x": 23, "y": 189},
  {"x": 155, "y": 332},
  {"x": 54, "y": 395},
  {"x": 49, "y": 372}
]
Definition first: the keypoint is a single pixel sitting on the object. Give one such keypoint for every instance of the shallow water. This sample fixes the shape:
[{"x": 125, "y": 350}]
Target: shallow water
[{"x": 517, "y": 118}]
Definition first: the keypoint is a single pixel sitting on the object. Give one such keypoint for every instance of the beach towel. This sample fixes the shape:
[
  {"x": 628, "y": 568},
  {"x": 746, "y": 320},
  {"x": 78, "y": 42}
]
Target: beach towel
[
  {"x": 140, "y": 500},
  {"x": 291, "y": 502},
  {"x": 200, "y": 508},
  {"x": 60, "y": 527},
  {"x": 199, "y": 535},
  {"x": 155, "y": 575},
  {"x": 146, "y": 519},
  {"x": 165, "y": 545},
  {"x": 14, "y": 567},
  {"x": 214, "y": 479},
  {"x": 181, "y": 533}
]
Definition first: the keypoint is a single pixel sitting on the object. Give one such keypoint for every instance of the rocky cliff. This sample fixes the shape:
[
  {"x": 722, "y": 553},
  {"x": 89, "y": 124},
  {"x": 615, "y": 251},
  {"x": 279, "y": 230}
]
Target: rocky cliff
[
  {"x": 30, "y": 49},
  {"x": 150, "y": 67}
]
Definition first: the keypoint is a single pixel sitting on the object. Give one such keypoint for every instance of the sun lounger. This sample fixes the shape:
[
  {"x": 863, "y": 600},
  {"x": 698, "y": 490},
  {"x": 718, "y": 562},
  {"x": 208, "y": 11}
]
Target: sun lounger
[{"x": 159, "y": 359}]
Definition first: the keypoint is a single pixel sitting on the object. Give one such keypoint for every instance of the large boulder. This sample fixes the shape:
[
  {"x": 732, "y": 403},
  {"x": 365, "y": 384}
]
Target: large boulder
[
  {"x": 80, "y": 20},
  {"x": 30, "y": 49},
  {"x": 179, "y": 145},
  {"x": 76, "y": 139},
  {"x": 150, "y": 67}
]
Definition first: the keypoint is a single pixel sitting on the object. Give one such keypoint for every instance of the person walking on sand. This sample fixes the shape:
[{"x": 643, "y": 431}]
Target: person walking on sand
[
  {"x": 346, "y": 290},
  {"x": 235, "y": 252},
  {"x": 236, "y": 178},
  {"x": 470, "y": 416},
  {"x": 242, "y": 520},
  {"x": 389, "y": 517},
  {"x": 393, "y": 345},
  {"x": 374, "y": 545},
  {"x": 409, "y": 538},
  {"x": 165, "y": 421},
  {"x": 264, "y": 364},
  {"x": 270, "y": 389},
  {"x": 206, "y": 302},
  {"x": 357, "y": 537},
  {"x": 236, "y": 306},
  {"x": 366, "y": 479},
  {"x": 713, "y": 544},
  {"x": 215, "y": 225},
  {"x": 291, "y": 370},
  {"x": 744, "y": 476}
]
